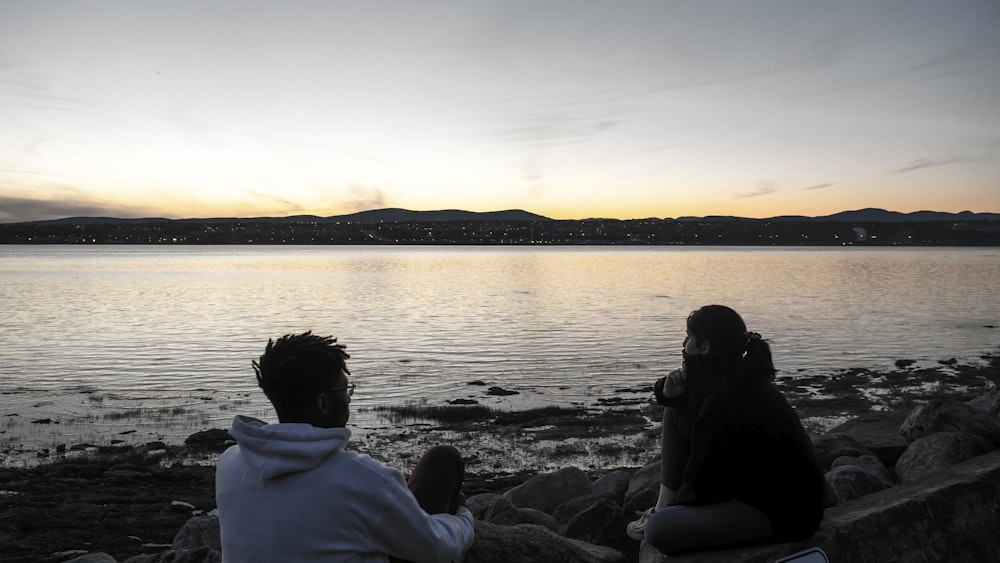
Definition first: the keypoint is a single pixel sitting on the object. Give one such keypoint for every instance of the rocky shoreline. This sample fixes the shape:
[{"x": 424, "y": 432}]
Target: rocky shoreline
[{"x": 128, "y": 502}]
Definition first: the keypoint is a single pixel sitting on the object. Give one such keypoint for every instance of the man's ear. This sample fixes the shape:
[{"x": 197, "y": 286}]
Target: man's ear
[
  {"x": 323, "y": 403},
  {"x": 705, "y": 347}
]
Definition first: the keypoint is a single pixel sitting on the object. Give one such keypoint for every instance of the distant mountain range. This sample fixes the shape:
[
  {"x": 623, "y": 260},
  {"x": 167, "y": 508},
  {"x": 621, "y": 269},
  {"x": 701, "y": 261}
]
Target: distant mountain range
[
  {"x": 869, "y": 215},
  {"x": 396, "y": 215},
  {"x": 387, "y": 215}
]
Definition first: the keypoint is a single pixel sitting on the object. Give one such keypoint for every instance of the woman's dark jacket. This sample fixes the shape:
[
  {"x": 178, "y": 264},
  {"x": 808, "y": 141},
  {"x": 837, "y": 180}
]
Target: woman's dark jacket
[{"x": 748, "y": 444}]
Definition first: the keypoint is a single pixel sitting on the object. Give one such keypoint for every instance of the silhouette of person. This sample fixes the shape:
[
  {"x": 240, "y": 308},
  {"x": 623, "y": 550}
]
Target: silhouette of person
[
  {"x": 291, "y": 491},
  {"x": 737, "y": 465}
]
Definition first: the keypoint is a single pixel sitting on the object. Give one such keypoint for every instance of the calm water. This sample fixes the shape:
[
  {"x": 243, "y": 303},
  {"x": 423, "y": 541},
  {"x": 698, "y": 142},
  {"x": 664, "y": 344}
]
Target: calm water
[{"x": 160, "y": 338}]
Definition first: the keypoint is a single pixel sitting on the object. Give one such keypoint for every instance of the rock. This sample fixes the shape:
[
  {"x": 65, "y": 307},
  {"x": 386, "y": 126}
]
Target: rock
[
  {"x": 538, "y": 518},
  {"x": 525, "y": 542},
  {"x": 501, "y": 392},
  {"x": 852, "y": 478},
  {"x": 499, "y": 510},
  {"x": 877, "y": 432},
  {"x": 571, "y": 507},
  {"x": 479, "y": 504},
  {"x": 99, "y": 557},
  {"x": 950, "y": 416},
  {"x": 548, "y": 491},
  {"x": 931, "y": 453},
  {"x": 200, "y": 555},
  {"x": 869, "y": 463},
  {"x": 987, "y": 403},
  {"x": 600, "y": 522},
  {"x": 831, "y": 445},
  {"x": 602, "y": 553},
  {"x": 612, "y": 485},
  {"x": 199, "y": 531},
  {"x": 643, "y": 489},
  {"x": 214, "y": 440},
  {"x": 463, "y": 402},
  {"x": 198, "y": 541},
  {"x": 951, "y": 516}
]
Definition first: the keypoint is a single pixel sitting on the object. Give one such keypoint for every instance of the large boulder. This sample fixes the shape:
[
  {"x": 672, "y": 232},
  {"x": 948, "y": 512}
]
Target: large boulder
[
  {"x": 200, "y": 555},
  {"x": 479, "y": 504},
  {"x": 950, "y": 516},
  {"x": 526, "y": 543},
  {"x": 950, "y": 416},
  {"x": 199, "y": 531},
  {"x": 643, "y": 489},
  {"x": 612, "y": 485},
  {"x": 832, "y": 445},
  {"x": 869, "y": 463},
  {"x": 878, "y": 432},
  {"x": 599, "y": 522},
  {"x": 198, "y": 541},
  {"x": 548, "y": 491},
  {"x": 932, "y": 453},
  {"x": 851, "y": 478},
  {"x": 213, "y": 440},
  {"x": 497, "y": 509},
  {"x": 987, "y": 403},
  {"x": 602, "y": 553}
]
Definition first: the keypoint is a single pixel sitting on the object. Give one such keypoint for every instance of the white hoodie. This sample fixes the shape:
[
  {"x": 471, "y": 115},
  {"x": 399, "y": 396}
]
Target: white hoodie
[{"x": 291, "y": 492}]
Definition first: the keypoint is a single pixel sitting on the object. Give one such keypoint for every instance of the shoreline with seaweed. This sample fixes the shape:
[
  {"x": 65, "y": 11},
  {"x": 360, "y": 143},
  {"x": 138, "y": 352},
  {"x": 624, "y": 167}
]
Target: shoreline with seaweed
[
  {"x": 130, "y": 500},
  {"x": 621, "y": 430}
]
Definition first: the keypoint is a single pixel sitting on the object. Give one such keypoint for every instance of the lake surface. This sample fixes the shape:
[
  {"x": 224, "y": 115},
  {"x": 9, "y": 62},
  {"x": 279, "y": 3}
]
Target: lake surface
[{"x": 158, "y": 339}]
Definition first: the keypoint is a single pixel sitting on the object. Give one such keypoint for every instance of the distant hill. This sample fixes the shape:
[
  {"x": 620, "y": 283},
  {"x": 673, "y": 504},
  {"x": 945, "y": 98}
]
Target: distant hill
[
  {"x": 405, "y": 215},
  {"x": 868, "y": 215},
  {"x": 874, "y": 215},
  {"x": 396, "y": 215},
  {"x": 866, "y": 227},
  {"x": 390, "y": 214}
]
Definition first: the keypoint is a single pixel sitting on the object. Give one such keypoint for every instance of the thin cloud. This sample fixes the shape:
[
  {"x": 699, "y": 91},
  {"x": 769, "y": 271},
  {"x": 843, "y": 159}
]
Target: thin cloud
[
  {"x": 921, "y": 163},
  {"x": 763, "y": 189},
  {"x": 277, "y": 199},
  {"x": 557, "y": 129},
  {"x": 820, "y": 186}
]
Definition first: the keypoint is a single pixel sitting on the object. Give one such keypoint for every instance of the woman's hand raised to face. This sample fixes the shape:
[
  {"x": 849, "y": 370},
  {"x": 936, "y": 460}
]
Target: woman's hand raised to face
[{"x": 673, "y": 385}]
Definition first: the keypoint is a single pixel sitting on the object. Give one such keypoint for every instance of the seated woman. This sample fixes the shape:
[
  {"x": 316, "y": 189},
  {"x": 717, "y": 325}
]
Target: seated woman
[{"x": 738, "y": 467}]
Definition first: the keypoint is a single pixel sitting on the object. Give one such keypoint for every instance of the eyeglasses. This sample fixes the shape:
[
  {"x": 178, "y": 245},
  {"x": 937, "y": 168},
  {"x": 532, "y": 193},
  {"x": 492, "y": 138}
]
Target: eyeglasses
[{"x": 349, "y": 387}]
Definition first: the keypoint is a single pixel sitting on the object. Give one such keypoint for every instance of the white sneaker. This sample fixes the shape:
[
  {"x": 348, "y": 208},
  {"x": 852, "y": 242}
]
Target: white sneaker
[{"x": 637, "y": 529}]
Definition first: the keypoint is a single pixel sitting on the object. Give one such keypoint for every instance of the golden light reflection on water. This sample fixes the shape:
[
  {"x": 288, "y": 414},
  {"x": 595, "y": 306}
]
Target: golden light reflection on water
[{"x": 170, "y": 331}]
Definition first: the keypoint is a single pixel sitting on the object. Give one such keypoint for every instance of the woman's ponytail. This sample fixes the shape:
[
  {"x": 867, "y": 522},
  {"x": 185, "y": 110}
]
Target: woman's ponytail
[
  {"x": 731, "y": 345},
  {"x": 757, "y": 361}
]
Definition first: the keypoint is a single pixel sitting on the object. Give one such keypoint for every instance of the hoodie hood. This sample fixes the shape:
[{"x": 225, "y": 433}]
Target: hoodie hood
[{"x": 273, "y": 450}]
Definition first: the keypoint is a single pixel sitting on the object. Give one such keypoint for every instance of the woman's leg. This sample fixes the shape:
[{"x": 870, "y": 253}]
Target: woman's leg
[
  {"x": 436, "y": 480},
  {"x": 675, "y": 451},
  {"x": 684, "y": 528}
]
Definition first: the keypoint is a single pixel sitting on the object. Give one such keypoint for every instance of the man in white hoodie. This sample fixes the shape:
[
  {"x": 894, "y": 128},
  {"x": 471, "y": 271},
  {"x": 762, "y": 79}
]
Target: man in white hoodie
[{"x": 292, "y": 492}]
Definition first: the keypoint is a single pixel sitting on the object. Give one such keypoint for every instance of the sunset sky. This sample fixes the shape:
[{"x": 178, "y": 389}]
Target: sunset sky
[{"x": 570, "y": 109}]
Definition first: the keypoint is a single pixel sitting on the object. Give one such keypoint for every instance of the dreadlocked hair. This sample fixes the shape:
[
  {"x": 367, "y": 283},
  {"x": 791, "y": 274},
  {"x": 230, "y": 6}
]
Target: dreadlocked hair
[{"x": 294, "y": 368}]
